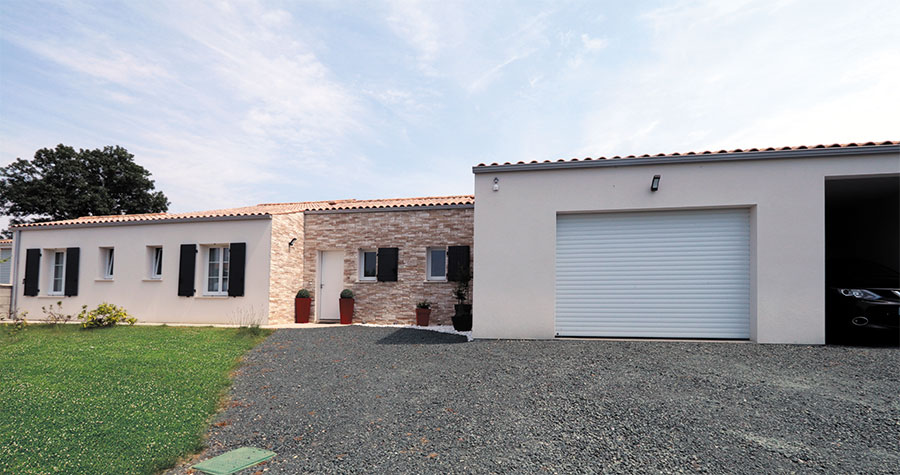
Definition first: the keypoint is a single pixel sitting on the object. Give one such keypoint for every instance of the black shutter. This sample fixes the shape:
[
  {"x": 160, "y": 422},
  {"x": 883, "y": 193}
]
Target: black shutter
[
  {"x": 458, "y": 263},
  {"x": 186, "y": 270},
  {"x": 73, "y": 255},
  {"x": 387, "y": 264},
  {"x": 32, "y": 271},
  {"x": 237, "y": 263}
]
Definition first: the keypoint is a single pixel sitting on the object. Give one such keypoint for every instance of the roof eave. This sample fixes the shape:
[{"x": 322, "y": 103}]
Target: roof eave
[
  {"x": 142, "y": 222},
  {"x": 699, "y": 158},
  {"x": 391, "y": 209}
]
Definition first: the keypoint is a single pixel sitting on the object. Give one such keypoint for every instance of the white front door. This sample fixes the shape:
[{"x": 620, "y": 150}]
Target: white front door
[{"x": 331, "y": 282}]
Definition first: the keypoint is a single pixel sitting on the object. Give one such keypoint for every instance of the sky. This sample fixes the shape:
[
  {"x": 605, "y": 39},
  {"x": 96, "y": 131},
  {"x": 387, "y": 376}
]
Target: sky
[{"x": 236, "y": 103}]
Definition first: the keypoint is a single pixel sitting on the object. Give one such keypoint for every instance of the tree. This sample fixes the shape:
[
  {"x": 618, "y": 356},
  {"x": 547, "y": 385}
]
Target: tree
[{"x": 61, "y": 183}]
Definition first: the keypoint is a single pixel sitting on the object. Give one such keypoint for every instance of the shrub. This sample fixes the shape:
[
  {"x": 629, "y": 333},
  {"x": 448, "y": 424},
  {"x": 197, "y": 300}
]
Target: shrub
[
  {"x": 423, "y": 304},
  {"x": 302, "y": 294},
  {"x": 54, "y": 315},
  {"x": 105, "y": 315},
  {"x": 346, "y": 294}
]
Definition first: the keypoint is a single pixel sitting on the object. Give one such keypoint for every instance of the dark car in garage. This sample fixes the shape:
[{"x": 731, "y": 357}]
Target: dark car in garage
[{"x": 862, "y": 302}]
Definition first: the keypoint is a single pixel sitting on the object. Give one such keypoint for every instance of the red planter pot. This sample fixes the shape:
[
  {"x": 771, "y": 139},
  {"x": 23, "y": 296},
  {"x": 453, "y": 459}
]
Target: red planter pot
[
  {"x": 346, "y": 311},
  {"x": 301, "y": 310},
  {"x": 422, "y": 315}
]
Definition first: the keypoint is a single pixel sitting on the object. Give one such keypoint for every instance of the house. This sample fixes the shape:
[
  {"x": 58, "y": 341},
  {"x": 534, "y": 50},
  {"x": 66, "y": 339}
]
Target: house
[
  {"x": 5, "y": 276},
  {"x": 721, "y": 245},
  {"x": 245, "y": 265}
]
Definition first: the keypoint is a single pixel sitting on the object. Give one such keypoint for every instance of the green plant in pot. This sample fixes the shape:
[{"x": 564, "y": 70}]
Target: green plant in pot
[
  {"x": 346, "y": 305},
  {"x": 302, "y": 305},
  {"x": 462, "y": 319},
  {"x": 423, "y": 313}
]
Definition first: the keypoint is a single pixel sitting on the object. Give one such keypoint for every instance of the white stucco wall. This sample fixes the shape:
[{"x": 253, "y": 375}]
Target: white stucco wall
[
  {"x": 152, "y": 300},
  {"x": 515, "y": 234}
]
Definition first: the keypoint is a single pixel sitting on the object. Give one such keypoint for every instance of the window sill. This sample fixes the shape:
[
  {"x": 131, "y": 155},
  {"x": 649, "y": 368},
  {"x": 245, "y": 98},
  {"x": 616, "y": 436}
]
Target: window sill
[
  {"x": 366, "y": 282},
  {"x": 211, "y": 297},
  {"x": 104, "y": 280},
  {"x": 151, "y": 280},
  {"x": 429, "y": 281},
  {"x": 60, "y": 296}
]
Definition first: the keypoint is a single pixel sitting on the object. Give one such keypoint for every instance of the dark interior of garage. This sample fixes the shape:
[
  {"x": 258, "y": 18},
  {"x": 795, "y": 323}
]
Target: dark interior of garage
[{"x": 862, "y": 253}]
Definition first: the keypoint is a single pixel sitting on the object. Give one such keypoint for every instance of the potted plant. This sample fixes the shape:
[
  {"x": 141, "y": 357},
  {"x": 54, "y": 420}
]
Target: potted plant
[
  {"x": 462, "y": 319},
  {"x": 346, "y": 307},
  {"x": 301, "y": 306},
  {"x": 423, "y": 312}
]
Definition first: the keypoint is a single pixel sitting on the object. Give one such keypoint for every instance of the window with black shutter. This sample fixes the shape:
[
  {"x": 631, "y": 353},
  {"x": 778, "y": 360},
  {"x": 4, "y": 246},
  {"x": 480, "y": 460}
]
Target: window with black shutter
[
  {"x": 387, "y": 264},
  {"x": 186, "y": 270},
  {"x": 458, "y": 263},
  {"x": 73, "y": 255},
  {"x": 237, "y": 266},
  {"x": 32, "y": 272}
]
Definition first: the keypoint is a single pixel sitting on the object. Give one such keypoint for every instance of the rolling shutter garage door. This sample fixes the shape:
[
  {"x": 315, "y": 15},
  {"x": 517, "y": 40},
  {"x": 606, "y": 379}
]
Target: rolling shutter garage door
[{"x": 669, "y": 274}]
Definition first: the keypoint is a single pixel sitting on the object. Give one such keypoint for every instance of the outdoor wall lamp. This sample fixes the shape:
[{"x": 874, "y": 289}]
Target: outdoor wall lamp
[
  {"x": 496, "y": 184},
  {"x": 654, "y": 185},
  {"x": 291, "y": 244}
]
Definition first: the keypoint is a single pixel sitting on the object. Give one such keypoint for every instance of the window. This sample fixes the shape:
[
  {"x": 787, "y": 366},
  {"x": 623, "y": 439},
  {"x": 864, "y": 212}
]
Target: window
[
  {"x": 58, "y": 273},
  {"x": 155, "y": 254},
  {"x": 217, "y": 259},
  {"x": 367, "y": 267},
  {"x": 437, "y": 263},
  {"x": 109, "y": 259},
  {"x": 5, "y": 265}
]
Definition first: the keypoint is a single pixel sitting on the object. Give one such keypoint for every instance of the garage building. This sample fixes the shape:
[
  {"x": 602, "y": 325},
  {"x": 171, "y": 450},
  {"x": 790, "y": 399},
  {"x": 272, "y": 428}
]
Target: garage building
[{"x": 711, "y": 245}]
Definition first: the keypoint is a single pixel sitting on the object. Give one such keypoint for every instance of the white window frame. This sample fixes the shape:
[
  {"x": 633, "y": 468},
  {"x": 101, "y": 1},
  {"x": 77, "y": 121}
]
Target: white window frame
[
  {"x": 155, "y": 254},
  {"x": 52, "y": 273},
  {"x": 428, "y": 258},
  {"x": 362, "y": 265},
  {"x": 8, "y": 263},
  {"x": 221, "y": 278},
  {"x": 109, "y": 262}
]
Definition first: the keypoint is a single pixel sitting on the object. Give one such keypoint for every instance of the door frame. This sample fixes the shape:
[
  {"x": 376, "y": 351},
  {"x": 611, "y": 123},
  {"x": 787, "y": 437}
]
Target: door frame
[{"x": 320, "y": 259}]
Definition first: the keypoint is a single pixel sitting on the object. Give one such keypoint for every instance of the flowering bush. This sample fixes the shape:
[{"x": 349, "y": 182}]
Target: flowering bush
[{"x": 105, "y": 315}]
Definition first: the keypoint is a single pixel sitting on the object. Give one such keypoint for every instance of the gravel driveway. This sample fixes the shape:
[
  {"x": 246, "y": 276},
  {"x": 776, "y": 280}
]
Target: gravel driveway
[{"x": 362, "y": 399}]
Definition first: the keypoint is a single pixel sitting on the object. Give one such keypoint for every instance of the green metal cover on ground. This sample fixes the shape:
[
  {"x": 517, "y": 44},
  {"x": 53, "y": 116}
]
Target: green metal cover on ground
[{"x": 234, "y": 461}]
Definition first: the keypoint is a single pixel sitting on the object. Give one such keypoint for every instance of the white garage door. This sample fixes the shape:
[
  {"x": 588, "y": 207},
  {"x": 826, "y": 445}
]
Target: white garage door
[{"x": 669, "y": 274}]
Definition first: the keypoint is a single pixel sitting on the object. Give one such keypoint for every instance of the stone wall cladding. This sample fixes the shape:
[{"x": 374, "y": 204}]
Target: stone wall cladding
[
  {"x": 286, "y": 266},
  {"x": 412, "y": 232}
]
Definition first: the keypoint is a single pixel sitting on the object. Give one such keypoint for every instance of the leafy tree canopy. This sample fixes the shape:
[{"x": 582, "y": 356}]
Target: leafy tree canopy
[{"x": 61, "y": 183}]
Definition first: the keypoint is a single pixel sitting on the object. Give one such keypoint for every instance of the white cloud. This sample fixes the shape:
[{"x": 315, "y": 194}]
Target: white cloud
[{"x": 593, "y": 44}]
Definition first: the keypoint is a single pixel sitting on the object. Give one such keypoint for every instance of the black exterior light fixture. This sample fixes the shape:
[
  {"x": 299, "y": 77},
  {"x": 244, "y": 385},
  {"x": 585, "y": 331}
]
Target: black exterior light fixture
[
  {"x": 496, "y": 186},
  {"x": 291, "y": 244},
  {"x": 654, "y": 185}
]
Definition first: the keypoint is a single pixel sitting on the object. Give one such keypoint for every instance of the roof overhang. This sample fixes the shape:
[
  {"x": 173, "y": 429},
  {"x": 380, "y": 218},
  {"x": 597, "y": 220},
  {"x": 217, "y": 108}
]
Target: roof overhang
[
  {"x": 389, "y": 209},
  {"x": 142, "y": 222},
  {"x": 701, "y": 158}
]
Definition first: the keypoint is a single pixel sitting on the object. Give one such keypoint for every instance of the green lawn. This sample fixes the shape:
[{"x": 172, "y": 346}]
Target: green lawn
[{"x": 111, "y": 400}]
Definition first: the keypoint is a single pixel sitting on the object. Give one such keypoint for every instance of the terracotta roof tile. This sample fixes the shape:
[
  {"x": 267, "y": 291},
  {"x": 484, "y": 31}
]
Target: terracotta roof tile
[
  {"x": 711, "y": 152},
  {"x": 5, "y": 241},
  {"x": 267, "y": 209}
]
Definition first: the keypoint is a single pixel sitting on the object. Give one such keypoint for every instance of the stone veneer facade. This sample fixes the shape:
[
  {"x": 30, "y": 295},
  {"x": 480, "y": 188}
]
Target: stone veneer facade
[
  {"x": 410, "y": 230},
  {"x": 285, "y": 266}
]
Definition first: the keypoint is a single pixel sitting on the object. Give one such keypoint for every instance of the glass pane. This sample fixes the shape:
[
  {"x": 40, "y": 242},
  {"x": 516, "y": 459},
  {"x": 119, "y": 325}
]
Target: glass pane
[
  {"x": 438, "y": 263},
  {"x": 213, "y": 254},
  {"x": 157, "y": 261},
  {"x": 110, "y": 262},
  {"x": 212, "y": 284},
  {"x": 5, "y": 267},
  {"x": 226, "y": 254},
  {"x": 369, "y": 264}
]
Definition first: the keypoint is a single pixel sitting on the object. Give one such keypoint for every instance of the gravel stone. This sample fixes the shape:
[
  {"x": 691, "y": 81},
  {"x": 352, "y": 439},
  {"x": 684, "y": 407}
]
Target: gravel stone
[{"x": 360, "y": 399}]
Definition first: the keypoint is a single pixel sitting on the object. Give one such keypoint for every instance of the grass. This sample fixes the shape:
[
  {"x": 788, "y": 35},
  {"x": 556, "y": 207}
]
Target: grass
[{"x": 111, "y": 400}]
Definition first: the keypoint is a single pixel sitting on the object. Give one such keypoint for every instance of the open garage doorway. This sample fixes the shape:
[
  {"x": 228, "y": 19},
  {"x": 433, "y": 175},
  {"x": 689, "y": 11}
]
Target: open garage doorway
[{"x": 862, "y": 259}]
